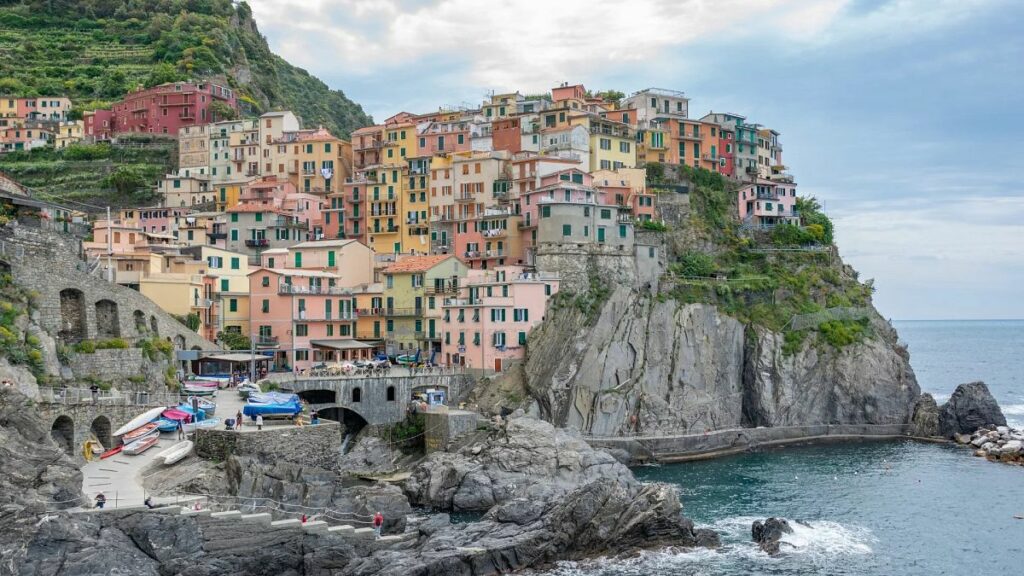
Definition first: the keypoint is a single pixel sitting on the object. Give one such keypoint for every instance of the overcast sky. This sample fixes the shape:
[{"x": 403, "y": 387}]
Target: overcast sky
[{"x": 900, "y": 115}]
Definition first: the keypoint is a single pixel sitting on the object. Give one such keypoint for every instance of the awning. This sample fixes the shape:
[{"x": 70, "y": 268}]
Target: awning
[
  {"x": 239, "y": 357},
  {"x": 346, "y": 344}
]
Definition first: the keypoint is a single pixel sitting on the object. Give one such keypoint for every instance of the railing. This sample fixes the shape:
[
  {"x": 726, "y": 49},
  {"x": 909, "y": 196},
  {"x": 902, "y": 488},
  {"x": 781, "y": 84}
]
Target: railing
[
  {"x": 485, "y": 254},
  {"x": 465, "y": 198},
  {"x": 435, "y": 290},
  {"x": 403, "y": 311},
  {"x": 495, "y": 233},
  {"x": 462, "y": 301},
  {"x": 281, "y": 222},
  {"x": 267, "y": 340},
  {"x": 106, "y": 397},
  {"x": 284, "y": 288},
  {"x": 202, "y": 303},
  {"x": 803, "y": 321},
  {"x": 257, "y": 242}
]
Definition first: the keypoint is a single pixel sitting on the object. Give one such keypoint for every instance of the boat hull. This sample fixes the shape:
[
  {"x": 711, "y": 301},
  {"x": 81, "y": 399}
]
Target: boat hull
[
  {"x": 140, "y": 446},
  {"x": 140, "y": 420},
  {"x": 141, "y": 432},
  {"x": 175, "y": 453}
]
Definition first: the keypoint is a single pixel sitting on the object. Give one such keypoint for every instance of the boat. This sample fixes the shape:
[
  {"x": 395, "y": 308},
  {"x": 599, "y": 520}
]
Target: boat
[
  {"x": 144, "y": 418},
  {"x": 141, "y": 445},
  {"x": 112, "y": 452},
  {"x": 200, "y": 415},
  {"x": 141, "y": 432},
  {"x": 91, "y": 449},
  {"x": 174, "y": 414},
  {"x": 246, "y": 390},
  {"x": 287, "y": 406},
  {"x": 175, "y": 453},
  {"x": 200, "y": 390},
  {"x": 203, "y": 383},
  {"x": 201, "y": 425},
  {"x": 165, "y": 425},
  {"x": 208, "y": 406},
  {"x": 272, "y": 398}
]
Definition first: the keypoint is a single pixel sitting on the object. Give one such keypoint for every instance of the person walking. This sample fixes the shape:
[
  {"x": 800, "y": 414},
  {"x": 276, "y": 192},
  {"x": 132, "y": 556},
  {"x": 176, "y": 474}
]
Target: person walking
[
  {"x": 259, "y": 421},
  {"x": 378, "y": 524},
  {"x": 100, "y": 500},
  {"x": 95, "y": 393},
  {"x": 181, "y": 431},
  {"x": 238, "y": 420}
]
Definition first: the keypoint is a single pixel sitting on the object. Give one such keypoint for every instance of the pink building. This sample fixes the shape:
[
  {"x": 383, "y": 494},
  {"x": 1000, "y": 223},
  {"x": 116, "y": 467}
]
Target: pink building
[
  {"x": 156, "y": 220},
  {"x": 572, "y": 185},
  {"x": 487, "y": 325},
  {"x": 767, "y": 203},
  {"x": 621, "y": 193},
  {"x": 165, "y": 108},
  {"x": 99, "y": 124},
  {"x": 304, "y": 316}
]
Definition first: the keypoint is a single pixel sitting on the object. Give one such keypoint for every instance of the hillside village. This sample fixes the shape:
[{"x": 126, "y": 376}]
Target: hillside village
[{"x": 422, "y": 236}]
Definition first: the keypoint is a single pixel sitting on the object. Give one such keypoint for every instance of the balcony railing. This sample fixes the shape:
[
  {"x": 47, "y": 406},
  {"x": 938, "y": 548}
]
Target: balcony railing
[
  {"x": 465, "y": 198},
  {"x": 454, "y": 302},
  {"x": 201, "y": 302},
  {"x": 282, "y": 222},
  {"x": 438, "y": 290},
  {"x": 257, "y": 242},
  {"x": 217, "y": 235},
  {"x": 266, "y": 340},
  {"x": 495, "y": 233},
  {"x": 284, "y": 288}
]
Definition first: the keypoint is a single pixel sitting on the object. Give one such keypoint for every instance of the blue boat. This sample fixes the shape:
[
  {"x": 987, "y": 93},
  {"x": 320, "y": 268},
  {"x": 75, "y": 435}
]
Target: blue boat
[
  {"x": 289, "y": 409},
  {"x": 165, "y": 425}
]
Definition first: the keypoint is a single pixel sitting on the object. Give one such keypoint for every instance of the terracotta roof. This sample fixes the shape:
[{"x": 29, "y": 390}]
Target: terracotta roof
[{"x": 416, "y": 263}]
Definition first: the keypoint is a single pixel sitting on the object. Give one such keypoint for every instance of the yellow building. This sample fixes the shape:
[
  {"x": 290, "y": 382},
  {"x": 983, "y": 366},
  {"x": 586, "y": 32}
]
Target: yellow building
[
  {"x": 370, "y": 313},
  {"x": 230, "y": 274},
  {"x": 68, "y": 133},
  {"x": 8, "y": 107},
  {"x": 318, "y": 162},
  {"x": 612, "y": 144},
  {"x": 406, "y": 286}
]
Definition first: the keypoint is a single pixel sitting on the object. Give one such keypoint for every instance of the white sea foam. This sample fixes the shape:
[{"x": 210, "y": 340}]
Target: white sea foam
[{"x": 1014, "y": 415}]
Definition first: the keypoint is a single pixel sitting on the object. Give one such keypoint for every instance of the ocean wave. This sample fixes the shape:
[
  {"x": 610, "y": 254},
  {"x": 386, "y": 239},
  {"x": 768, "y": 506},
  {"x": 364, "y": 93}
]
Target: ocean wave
[
  {"x": 1013, "y": 409},
  {"x": 819, "y": 543}
]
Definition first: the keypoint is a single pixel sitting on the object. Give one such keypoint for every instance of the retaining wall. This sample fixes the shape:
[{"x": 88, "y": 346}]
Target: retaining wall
[{"x": 318, "y": 445}]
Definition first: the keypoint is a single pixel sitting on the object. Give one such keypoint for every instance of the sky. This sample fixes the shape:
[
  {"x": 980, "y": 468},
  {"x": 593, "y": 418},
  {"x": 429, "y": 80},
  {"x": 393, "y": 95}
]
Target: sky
[{"x": 898, "y": 115}]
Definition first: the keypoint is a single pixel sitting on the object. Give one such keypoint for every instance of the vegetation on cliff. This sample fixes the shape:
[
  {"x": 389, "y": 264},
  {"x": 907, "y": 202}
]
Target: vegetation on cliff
[
  {"x": 763, "y": 278},
  {"x": 94, "y": 51}
]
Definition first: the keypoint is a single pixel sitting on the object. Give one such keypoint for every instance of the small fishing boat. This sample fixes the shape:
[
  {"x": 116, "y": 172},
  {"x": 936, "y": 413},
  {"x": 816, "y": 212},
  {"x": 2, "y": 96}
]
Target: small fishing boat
[
  {"x": 144, "y": 418},
  {"x": 141, "y": 445},
  {"x": 201, "y": 425},
  {"x": 112, "y": 452},
  {"x": 165, "y": 425},
  {"x": 199, "y": 390},
  {"x": 141, "y": 432},
  {"x": 200, "y": 415},
  {"x": 175, "y": 453},
  {"x": 174, "y": 414},
  {"x": 246, "y": 390},
  {"x": 208, "y": 406}
]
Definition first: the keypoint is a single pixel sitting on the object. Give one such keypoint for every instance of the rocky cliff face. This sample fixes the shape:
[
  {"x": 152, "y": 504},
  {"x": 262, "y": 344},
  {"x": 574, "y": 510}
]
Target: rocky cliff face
[{"x": 652, "y": 365}]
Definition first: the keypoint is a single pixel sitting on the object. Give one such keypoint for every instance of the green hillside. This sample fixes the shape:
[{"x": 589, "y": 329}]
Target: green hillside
[{"x": 96, "y": 50}]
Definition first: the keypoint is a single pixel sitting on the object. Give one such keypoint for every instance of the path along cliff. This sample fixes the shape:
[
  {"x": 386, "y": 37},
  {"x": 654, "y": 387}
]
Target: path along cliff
[{"x": 743, "y": 330}]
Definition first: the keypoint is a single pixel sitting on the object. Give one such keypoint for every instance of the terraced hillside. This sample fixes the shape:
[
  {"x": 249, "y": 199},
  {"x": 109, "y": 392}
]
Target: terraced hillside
[{"x": 95, "y": 50}]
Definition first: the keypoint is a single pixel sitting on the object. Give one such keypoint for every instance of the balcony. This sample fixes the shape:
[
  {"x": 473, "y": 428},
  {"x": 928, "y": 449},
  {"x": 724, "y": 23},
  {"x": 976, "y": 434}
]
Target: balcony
[
  {"x": 495, "y": 233},
  {"x": 202, "y": 303},
  {"x": 398, "y": 312},
  {"x": 477, "y": 255},
  {"x": 428, "y": 336},
  {"x": 456, "y": 302},
  {"x": 282, "y": 222},
  {"x": 284, "y": 288},
  {"x": 465, "y": 198},
  {"x": 257, "y": 242},
  {"x": 690, "y": 137},
  {"x": 217, "y": 236},
  {"x": 439, "y": 290},
  {"x": 366, "y": 312},
  {"x": 526, "y": 225},
  {"x": 266, "y": 341}
]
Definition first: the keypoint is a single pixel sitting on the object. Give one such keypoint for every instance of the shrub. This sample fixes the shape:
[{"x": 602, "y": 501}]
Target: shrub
[
  {"x": 85, "y": 347},
  {"x": 695, "y": 264},
  {"x": 154, "y": 348},
  {"x": 653, "y": 225},
  {"x": 792, "y": 342},
  {"x": 840, "y": 333},
  {"x": 112, "y": 344},
  {"x": 790, "y": 235},
  {"x": 234, "y": 340}
]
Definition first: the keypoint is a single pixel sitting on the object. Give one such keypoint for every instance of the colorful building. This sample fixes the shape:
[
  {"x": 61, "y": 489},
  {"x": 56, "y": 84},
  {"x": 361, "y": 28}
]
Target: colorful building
[
  {"x": 412, "y": 288},
  {"x": 764, "y": 204},
  {"x": 487, "y": 323},
  {"x": 166, "y": 108}
]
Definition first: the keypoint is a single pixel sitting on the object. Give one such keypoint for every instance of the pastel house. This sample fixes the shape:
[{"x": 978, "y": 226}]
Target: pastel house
[{"x": 765, "y": 204}]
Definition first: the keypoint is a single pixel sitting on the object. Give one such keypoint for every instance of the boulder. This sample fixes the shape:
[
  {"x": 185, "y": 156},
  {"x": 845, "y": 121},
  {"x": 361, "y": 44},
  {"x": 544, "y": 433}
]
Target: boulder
[
  {"x": 969, "y": 408},
  {"x": 962, "y": 438},
  {"x": 769, "y": 533},
  {"x": 1012, "y": 447},
  {"x": 924, "y": 422}
]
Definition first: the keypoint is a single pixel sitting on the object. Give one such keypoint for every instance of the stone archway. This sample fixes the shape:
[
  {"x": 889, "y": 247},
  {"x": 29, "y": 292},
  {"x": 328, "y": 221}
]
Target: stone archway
[
  {"x": 357, "y": 395},
  {"x": 351, "y": 421},
  {"x": 140, "y": 322},
  {"x": 154, "y": 326},
  {"x": 63, "y": 434},
  {"x": 179, "y": 342},
  {"x": 100, "y": 428},
  {"x": 72, "y": 316},
  {"x": 319, "y": 396},
  {"x": 108, "y": 323}
]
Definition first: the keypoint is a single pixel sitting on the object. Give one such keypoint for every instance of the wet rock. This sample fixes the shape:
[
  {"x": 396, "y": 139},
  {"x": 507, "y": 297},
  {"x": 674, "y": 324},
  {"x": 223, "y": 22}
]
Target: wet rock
[
  {"x": 962, "y": 438},
  {"x": 769, "y": 533},
  {"x": 969, "y": 408}
]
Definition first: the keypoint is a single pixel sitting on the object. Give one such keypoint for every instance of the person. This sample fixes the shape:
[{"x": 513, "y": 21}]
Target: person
[
  {"x": 100, "y": 500},
  {"x": 259, "y": 421},
  {"x": 197, "y": 506},
  {"x": 95, "y": 393},
  {"x": 238, "y": 420},
  {"x": 149, "y": 502},
  {"x": 378, "y": 524},
  {"x": 181, "y": 431},
  {"x": 314, "y": 418},
  {"x": 7, "y": 383},
  {"x": 304, "y": 518}
]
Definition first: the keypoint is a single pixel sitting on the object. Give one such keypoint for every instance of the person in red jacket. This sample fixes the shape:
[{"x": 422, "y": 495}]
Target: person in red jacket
[{"x": 378, "y": 523}]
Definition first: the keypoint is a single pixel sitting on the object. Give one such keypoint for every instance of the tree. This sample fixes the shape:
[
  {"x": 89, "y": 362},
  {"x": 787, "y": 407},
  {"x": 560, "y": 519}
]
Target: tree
[
  {"x": 126, "y": 180},
  {"x": 613, "y": 96},
  {"x": 234, "y": 340},
  {"x": 163, "y": 73},
  {"x": 221, "y": 111}
]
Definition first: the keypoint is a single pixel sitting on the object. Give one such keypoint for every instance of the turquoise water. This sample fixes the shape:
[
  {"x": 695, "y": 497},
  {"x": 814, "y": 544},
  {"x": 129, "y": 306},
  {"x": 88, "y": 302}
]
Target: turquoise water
[{"x": 874, "y": 508}]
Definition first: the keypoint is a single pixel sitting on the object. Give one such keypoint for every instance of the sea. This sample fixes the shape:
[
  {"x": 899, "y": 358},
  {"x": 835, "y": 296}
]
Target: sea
[{"x": 865, "y": 508}]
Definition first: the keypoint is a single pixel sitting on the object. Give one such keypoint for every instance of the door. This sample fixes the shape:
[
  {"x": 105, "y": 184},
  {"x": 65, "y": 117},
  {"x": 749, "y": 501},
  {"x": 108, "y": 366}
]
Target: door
[
  {"x": 497, "y": 364},
  {"x": 600, "y": 235}
]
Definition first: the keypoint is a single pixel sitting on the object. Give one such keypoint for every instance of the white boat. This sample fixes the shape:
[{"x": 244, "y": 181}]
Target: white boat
[
  {"x": 175, "y": 452},
  {"x": 140, "y": 420},
  {"x": 207, "y": 406},
  {"x": 141, "y": 445},
  {"x": 202, "y": 424}
]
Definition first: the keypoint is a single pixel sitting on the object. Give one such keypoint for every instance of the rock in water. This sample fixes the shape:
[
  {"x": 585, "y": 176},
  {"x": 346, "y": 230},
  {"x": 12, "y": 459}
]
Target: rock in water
[
  {"x": 925, "y": 421},
  {"x": 970, "y": 407},
  {"x": 769, "y": 533}
]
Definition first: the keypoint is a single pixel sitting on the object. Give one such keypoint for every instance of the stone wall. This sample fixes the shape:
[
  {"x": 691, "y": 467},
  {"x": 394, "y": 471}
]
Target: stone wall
[
  {"x": 76, "y": 305},
  {"x": 695, "y": 446},
  {"x": 575, "y": 263},
  {"x": 318, "y": 446},
  {"x": 73, "y": 424},
  {"x": 119, "y": 367},
  {"x": 442, "y": 427}
]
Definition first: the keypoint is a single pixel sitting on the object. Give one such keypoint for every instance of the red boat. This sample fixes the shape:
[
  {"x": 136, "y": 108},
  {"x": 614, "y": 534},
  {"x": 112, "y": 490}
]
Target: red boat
[
  {"x": 175, "y": 414},
  {"x": 140, "y": 432},
  {"x": 140, "y": 446},
  {"x": 112, "y": 452}
]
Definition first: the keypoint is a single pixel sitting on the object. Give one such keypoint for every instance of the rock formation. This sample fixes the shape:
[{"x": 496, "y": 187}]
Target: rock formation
[
  {"x": 657, "y": 366},
  {"x": 970, "y": 407},
  {"x": 1001, "y": 443},
  {"x": 768, "y": 534},
  {"x": 924, "y": 422},
  {"x": 528, "y": 459}
]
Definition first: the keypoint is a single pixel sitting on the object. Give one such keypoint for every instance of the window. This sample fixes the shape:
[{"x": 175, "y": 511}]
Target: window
[
  {"x": 522, "y": 338},
  {"x": 389, "y": 280},
  {"x": 234, "y": 216},
  {"x": 301, "y": 355},
  {"x": 234, "y": 263},
  {"x": 234, "y": 235},
  {"x": 521, "y": 315},
  {"x": 417, "y": 280},
  {"x": 499, "y": 339},
  {"x": 301, "y": 330},
  {"x": 266, "y": 306},
  {"x": 566, "y": 229},
  {"x": 233, "y": 305},
  {"x": 606, "y": 144},
  {"x": 266, "y": 281},
  {"x": 606, "y": 214},
  {"x": 545, "y": 211},
  {"x": 330, "y": 256},
  {"x": 622, "y": 230},
  {"x": 270, "y": 262},
  {"x": 624, "y": 147},
  {"x": 391, "y": 394},
  {"x": 390, "y": 325},
  {"x": 357, "y": 395},
  {"x": 298, "y": 259},
  {"x": 224, "y": 285}
]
